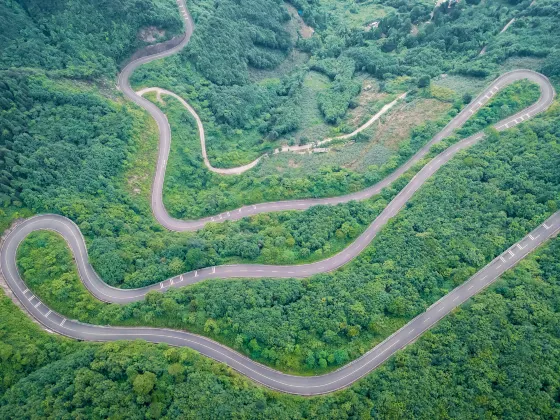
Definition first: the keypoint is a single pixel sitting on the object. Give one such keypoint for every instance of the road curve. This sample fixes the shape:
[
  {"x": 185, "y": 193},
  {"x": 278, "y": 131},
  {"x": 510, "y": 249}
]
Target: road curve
[
  {"x": 302, "y": 385},
  {"x": 238, "y": 170},
  {"x": 271, "y": 378},
  {"x": 544, "y": 101},
  {"x": 163, "y": 217},
  {"x": 311, "y": 385},
  {"x": 229, "y": 171}
]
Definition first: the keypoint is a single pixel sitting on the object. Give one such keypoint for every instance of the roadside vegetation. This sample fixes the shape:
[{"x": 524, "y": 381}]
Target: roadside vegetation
[
  {"x": 466, "y": 215},
  {"x": 69, "y": 144},
  {"x": 488, "y": 358},
  {"x": 191, "y": 191}
]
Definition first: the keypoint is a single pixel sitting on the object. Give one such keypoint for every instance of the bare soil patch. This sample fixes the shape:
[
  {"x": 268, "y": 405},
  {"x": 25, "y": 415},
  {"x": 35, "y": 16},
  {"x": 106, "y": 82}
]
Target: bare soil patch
[{"x": 151, "y": 34}]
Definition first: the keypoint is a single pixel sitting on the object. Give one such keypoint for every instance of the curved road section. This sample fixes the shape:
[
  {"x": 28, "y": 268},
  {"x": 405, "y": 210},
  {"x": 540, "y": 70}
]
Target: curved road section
[
  {"x": 311, "y": 385},
  {"x": 302, "y": 385},
  {"x": 163, "y": 217},
  {"x": 160, "y": 213}
]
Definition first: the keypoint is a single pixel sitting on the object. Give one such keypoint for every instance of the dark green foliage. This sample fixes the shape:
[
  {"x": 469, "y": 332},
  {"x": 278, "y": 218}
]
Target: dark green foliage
[
  {"x": 66, "y": 148},
  {"x": 495, "y": 357},
  {"x": 424, "y": 82},
  {"x": 78, "y": 39},
  {"x": 231, "y": 35},
  {"x": 469, "y": 213},
  {"x": 55, "y": 139}
]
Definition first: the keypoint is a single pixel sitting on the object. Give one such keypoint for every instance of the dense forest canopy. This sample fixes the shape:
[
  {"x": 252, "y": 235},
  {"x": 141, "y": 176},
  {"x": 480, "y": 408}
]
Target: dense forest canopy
[
  {"x": 78, "y": 39},
  {"x": 70, "y": 145},
  {"x": 497, "y": 356}
]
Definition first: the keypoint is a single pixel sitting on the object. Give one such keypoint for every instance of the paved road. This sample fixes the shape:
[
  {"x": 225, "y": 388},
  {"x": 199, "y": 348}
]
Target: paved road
[
  {"x": 303, "y": 385},
  {"x": 163, "y": 217},
  {"x": 545, "y": 100},
  {"x": 287, "y": 383}
]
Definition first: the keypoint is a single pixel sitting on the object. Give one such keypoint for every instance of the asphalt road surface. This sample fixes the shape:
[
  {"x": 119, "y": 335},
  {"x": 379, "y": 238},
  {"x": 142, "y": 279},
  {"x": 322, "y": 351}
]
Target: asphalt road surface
[
  {"x": 308, "y": 385},
  {"x": 163, "y": 217},
  {"x": 302, "y": 385}
]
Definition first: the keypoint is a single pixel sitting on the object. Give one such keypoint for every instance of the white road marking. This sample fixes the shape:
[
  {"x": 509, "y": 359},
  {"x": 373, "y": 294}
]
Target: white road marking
[
  {"x": 538, "y": 236},
  {"x": 196, "y": 273},
  {"x": 441, "y": 309},
  {"x": 426, "y": 320},
  {"x": 48, "y": 313},
  {"x": 546, "y": 227},
  {"x": 213, "y": 269},
  {"x": 38, "y": 303},
  {"x": 411, "y": 331},
  {"x": 63, "y": 321},
  {"x": 521, "y": 247},
  {"x": 161, "y": 285},
  {"x": 511, "y": 253},
  {"x": 470, "y": 287},
  {"x": 456, "y": 297},
  {"x": 502, "y": 258},
  {"x": 171, "y": 281},
  {"x": 531, "y": 236}
]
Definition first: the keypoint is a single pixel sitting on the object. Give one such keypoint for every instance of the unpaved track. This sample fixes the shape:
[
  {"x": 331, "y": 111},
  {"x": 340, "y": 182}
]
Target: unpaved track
[
  {"x": 302, "y": 385},
  {"x": 238, "y": 170}
]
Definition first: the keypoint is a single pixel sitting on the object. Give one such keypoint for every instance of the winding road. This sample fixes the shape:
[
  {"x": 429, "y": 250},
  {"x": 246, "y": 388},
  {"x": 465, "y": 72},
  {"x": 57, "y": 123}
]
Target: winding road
[
  {"x": 302, "y": 385},
  {"x": 240, "y": 169}
]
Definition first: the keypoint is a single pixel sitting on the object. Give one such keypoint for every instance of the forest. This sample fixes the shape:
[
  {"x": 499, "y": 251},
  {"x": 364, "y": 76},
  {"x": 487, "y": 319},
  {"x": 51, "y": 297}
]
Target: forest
[
  {"x": 70, "y": 144},
  {"x": 243, "y": 114},
  {"x": 464, "y": 217},
  {"x": 496, "y": 356}
]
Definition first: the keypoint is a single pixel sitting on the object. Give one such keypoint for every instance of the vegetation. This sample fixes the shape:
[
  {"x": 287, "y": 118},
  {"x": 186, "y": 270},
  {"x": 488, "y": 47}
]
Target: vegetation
[
  {"x": 70, "y": 145},
  {"x": 406, "y": 44},
  {"x": 76, "y": 39},
  {"x": 191, "y": 191},
  {"x": 467, "y": 214},
  {"x": 488, "y": 358}
]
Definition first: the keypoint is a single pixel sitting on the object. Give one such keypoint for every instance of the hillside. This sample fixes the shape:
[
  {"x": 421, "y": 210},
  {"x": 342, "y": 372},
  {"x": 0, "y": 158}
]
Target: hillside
[{"x": 262, "y": 74}]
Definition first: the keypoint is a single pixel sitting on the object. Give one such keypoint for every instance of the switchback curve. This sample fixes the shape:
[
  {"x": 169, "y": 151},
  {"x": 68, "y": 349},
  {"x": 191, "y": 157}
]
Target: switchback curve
[
  {"x": 238, "y": 170},
  {"x": 311, "y": 385},
  {"x": 301, "y": 385},
  {"x": 171, "y": 223}
]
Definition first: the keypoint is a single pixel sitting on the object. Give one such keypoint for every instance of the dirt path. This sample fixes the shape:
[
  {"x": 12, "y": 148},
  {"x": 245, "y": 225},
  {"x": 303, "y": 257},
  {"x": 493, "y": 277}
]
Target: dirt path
[{"x": 312, "y": 147}]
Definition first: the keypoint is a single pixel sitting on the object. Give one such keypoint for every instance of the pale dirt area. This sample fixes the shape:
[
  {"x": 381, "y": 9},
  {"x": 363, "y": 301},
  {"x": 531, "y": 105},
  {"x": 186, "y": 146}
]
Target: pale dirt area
[
  {"x": 369, "y": 95},
  {"x": 397, "y": 126},
  {"x": 151, "y": 34},
  {"x": 308, "y": 148},
  {"x": 304, "y": 30}
]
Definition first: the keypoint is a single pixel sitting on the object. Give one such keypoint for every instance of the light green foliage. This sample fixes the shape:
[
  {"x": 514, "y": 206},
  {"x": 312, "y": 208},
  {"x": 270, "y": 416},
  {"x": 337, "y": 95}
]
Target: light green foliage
[
  {"x": 78, "y": 39},
  {"x": 488, "y": 358}
]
